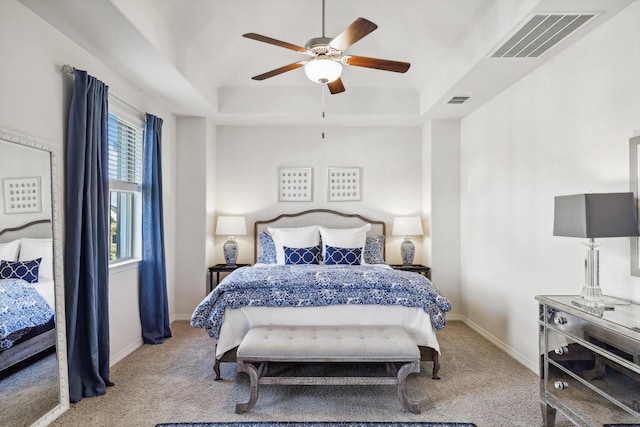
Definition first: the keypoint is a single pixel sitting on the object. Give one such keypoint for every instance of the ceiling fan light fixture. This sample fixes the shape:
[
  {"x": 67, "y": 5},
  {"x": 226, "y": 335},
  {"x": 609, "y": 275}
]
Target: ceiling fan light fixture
[{"x": 323, "y": 69}]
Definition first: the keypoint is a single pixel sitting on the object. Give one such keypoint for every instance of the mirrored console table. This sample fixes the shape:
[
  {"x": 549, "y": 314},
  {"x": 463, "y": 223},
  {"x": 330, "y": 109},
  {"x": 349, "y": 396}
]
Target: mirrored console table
[{"x": 589, "y": 363}]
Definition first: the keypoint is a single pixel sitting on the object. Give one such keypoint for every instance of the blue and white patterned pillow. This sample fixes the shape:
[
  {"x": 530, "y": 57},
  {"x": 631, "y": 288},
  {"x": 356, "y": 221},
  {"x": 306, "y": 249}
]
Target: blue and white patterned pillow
[
  {"x": 267, "y": 248},
  {"x": 25, "y": 270},
  {"x": 302, "y": 256},
  {"x": 343, "y": 256},
  {"x": 373, "y": 250}
]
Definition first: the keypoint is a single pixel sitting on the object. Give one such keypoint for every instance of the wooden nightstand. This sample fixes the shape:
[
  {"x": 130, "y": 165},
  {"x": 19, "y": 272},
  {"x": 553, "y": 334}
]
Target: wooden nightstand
[
  {"x": 221, "y": 268},
  {"x": 416, "y": 268}
]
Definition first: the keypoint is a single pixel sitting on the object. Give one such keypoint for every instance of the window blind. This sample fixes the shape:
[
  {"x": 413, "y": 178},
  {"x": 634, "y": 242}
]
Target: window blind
[{"x": 125, "y": 154}]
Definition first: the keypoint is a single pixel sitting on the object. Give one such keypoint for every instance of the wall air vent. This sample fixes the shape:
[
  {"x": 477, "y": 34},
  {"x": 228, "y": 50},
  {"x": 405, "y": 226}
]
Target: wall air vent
[
  {"x": 458, "y": 100},
  {"x": 540, "y": 33}
]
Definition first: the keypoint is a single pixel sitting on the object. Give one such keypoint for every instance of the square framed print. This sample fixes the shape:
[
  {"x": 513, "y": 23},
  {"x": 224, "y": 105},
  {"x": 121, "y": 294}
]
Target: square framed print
[
  {"x": 295, "y": 184},
  {"x": 343, "y": 184},
  {"x": 22, "y": 195}
]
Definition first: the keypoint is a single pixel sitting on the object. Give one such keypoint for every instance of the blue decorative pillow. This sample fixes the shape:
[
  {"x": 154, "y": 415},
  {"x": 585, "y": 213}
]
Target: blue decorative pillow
[
  {"x": 267, "y": 248},
  {"x": 373, "y": 250},
  {"x": 299, "y": 256},
  {"x": 25, "y": 270},
  {"x": 345, "y": 256}
]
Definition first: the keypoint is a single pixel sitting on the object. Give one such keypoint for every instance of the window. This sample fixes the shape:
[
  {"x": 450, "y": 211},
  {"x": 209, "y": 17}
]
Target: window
[{"x": 125, "y": 183}]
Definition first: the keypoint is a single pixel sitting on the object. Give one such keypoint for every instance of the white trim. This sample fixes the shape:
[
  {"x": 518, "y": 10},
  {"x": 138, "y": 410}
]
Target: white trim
[
  {"x": 123, "y": 265},
  {"x": 125, "y": 352},
  {"x": 532, "y": 366}
]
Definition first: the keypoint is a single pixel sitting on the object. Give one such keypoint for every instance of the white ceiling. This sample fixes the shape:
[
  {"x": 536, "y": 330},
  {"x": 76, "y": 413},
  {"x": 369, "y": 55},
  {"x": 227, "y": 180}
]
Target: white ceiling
[{"x": 191, "y": 53}]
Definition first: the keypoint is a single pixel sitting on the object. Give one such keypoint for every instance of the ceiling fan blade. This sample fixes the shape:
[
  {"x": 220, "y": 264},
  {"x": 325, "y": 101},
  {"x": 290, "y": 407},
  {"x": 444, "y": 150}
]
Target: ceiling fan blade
[
  {"x": 279, "y": 70},
  {"x": 354, "y": 32},
  {"x": 269, "y": 40},
  {"x": 379, "y": 64},
  {"x": 336, "y": 86}
]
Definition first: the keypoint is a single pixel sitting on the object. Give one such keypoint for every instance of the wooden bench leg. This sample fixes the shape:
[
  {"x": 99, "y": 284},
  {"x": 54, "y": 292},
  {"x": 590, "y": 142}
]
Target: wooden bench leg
[
  {"x": 436, "y": 366},
  {"x": 250, "y": 369},
  {"x": 405, "y": 370},
  {"x": 216, "y": 369}
]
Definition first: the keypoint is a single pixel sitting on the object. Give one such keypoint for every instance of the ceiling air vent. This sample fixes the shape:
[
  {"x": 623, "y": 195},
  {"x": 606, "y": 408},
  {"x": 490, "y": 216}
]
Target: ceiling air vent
[
  {"x": 540, "y": 33},
  {"x": 458, "y": 100}
]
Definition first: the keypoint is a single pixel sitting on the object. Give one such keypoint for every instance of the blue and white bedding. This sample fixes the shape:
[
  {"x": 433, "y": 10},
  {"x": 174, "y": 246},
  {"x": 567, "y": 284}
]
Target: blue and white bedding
[
  {"x": 22, "y": 308},
  {"x": 305, "y": 286}
]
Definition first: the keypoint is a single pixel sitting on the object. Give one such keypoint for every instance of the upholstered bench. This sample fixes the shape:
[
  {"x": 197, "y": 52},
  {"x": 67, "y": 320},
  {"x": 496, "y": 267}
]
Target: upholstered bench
[{"x": 360, "y": 344}]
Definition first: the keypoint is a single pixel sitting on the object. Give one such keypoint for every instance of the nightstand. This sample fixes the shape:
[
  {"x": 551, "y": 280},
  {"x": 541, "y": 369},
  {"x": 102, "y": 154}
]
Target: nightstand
[
  {"x": 221, "y": 268},
  {"x": 416, "y": 268}
]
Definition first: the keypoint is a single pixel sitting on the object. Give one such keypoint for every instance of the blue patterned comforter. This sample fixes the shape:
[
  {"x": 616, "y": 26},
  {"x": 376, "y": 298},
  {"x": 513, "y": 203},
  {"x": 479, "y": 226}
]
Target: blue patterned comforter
[
  {"x": 21, "y": 309},
  {"x": 318, "y": 285}
]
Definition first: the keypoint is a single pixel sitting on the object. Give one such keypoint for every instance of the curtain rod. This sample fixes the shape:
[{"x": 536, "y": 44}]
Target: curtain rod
[{"x": 68, "y": 69}]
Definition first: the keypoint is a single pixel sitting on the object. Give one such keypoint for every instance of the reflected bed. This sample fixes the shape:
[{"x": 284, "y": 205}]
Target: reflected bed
[{"x": 26, "y": 332}]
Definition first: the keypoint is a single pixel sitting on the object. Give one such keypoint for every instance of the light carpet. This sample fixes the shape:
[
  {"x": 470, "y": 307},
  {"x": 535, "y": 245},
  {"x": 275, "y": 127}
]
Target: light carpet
[{"x": 174, "y": 382}]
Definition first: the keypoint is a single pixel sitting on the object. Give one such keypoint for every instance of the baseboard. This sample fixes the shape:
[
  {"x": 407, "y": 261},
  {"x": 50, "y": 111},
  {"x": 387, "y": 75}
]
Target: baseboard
[
  {"x": 458, "y": 317},
  {"x": 532, "y": 366},
  {"x": 125, "y": 352},
  {"x": 180, "y": 317}
]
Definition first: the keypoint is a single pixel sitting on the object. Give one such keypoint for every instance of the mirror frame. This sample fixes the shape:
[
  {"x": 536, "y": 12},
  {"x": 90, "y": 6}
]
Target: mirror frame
[
  {"x": 61, "y": 336},
  {"x": 634, "y": 183}
]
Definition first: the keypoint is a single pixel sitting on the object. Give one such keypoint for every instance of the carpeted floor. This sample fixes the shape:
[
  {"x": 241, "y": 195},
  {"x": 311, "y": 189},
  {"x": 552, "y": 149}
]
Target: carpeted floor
[
  {"x": 173, "y": 382},
  {"x": 29, "y": 393}
]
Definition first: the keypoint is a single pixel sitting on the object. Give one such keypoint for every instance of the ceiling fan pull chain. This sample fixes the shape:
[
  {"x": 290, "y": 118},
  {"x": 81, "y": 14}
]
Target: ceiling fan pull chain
[{"x": 322, "y": 90}]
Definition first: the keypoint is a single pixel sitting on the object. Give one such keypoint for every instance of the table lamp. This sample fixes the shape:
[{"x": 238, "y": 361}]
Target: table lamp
[
  {"x": 592, "y": 216},
  {"x": 231, "y": 226},
  {"x": 407, "y": 226}
]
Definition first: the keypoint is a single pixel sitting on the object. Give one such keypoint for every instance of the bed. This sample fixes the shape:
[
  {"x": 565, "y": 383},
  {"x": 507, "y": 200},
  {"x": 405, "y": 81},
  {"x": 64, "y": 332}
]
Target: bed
[
  {"x": 271, "y": 294},
  {"x": 27, "y": 328}
]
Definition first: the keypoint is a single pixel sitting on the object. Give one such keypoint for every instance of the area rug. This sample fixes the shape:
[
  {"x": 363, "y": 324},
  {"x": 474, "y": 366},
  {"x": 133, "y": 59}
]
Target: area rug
[{"x": 318, "y": 424}]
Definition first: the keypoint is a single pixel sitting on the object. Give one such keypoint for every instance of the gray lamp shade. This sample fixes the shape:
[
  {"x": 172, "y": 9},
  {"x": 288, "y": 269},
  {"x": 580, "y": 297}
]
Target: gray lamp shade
[{"x": 595, "y": 215}]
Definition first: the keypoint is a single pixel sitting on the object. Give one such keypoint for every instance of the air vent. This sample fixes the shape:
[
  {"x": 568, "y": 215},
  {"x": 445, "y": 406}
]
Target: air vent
[
  {"x": 540, "y": 33},
  {"x": 458, "y": 100}
]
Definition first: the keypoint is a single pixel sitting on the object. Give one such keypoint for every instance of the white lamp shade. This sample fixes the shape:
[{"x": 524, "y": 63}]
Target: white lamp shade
[
  {"x": 323, "y": 70},
  {"x": 231, "y": 226},
  {"x": 407, "y": 226}
]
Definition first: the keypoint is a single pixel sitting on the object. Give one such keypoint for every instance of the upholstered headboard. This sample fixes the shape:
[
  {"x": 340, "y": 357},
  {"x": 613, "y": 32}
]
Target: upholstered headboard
[
  {"x": 325, "y": 217},
  {"x": 40, "y": 229}
]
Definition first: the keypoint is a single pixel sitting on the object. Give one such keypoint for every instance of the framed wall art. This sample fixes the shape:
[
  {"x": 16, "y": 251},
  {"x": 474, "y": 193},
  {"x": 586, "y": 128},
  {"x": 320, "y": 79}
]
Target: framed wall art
[
  {"x": 22, "y": 195},
  {"x": 343, "y": 184},
  {"x": 295, "y": 184}
]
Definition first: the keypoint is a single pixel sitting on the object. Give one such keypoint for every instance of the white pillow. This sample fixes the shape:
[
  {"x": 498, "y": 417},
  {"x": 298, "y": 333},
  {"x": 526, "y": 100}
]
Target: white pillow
[
  {"x": 344, "y": 238},
  {"x": 38, "y": 248},
  {"x": 9, "y": 251},
  {"x": 301, "y": 237}
]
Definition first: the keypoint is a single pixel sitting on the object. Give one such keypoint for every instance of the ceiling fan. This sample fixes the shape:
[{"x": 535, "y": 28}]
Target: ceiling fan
[{"x": 325, "y": 58}]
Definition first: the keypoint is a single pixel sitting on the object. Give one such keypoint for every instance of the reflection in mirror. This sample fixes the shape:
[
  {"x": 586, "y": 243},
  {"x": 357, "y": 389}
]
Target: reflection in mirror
[
  {"x": 634, "y": 179},
  {"x": 33, "y": 389}
]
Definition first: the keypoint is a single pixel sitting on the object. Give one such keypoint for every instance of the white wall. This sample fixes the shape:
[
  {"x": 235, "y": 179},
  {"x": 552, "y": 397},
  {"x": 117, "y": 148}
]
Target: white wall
[
  {"x": 442, "y": 166},
  {"x": 564, "y": 129},
  {"x": 248, "y": 159},
  {"x": 192, "y": 204},
  {"x": 34, "y": 101}
]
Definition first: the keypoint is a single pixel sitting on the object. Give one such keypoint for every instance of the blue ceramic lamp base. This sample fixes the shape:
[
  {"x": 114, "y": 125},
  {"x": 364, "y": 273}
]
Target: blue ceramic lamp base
[
  {"x": 408, "y": 251},
  {"x": 230, "y": 250}
]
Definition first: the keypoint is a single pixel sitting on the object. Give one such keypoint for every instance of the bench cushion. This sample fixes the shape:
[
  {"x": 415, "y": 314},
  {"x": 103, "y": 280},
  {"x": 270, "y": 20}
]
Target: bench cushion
[{"x": 328, "y": 344}]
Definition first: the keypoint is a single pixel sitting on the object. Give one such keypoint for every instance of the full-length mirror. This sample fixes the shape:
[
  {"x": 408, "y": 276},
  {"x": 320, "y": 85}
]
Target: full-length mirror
[{"x": 33, "y": 388}]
